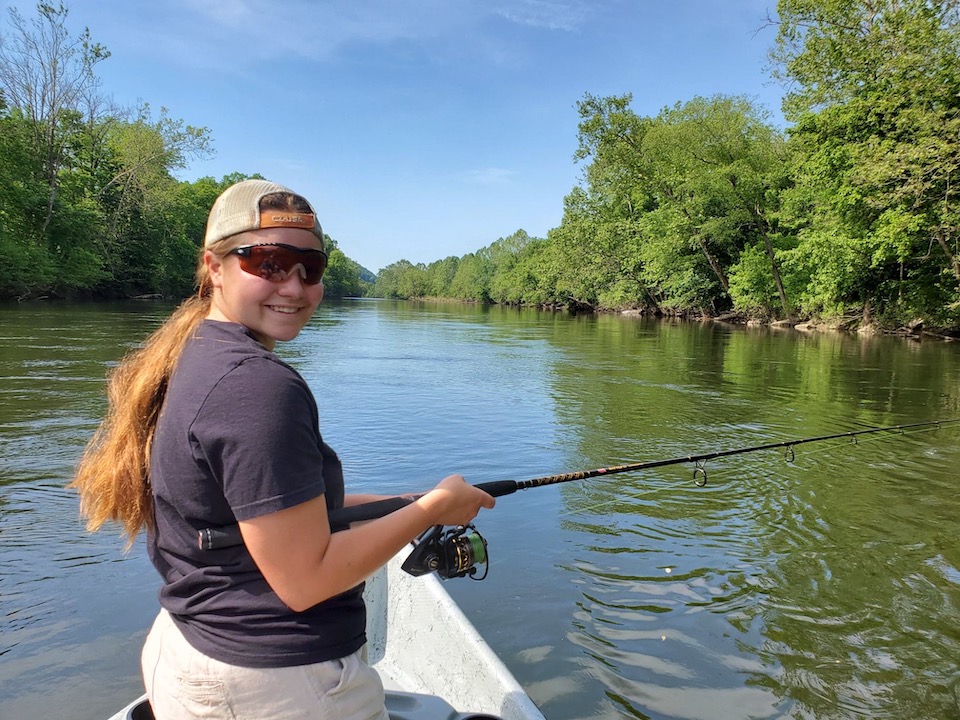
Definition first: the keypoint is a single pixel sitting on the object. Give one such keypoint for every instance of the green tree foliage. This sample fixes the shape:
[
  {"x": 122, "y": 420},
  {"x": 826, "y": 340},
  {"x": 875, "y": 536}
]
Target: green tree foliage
[
  {"x": 49, "y": 76},
  {"x": 707, "y": 207},
  {"x": 672, "y": 201},
  {"x": 667, "y": 207},
  {"x": 89, "y": 204},
  {"x": 402, "y": 279},
  {"x": 505, "y": 284},
  {"x": 875, "y": 98},
  {"x": 440, "y": 276},
  {"x": 717, "y": 162},
  {"x": 22, "y": 192},
  {"x": 472, "y": 278},
  {"x": 343, "y": 275},
  {"x": 704, "y": 207}
]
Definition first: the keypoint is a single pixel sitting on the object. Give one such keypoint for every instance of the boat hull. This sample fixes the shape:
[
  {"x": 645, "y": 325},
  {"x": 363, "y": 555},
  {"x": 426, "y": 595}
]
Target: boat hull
[{"x": 433, "y": 662}]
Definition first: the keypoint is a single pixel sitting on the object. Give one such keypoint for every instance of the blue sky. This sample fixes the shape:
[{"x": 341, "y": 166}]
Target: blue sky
[{"x": 419, "y": 128}]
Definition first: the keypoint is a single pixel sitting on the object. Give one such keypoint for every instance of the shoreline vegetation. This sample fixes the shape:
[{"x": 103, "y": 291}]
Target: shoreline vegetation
[
  {"x": 846, "y": 220},
  {"x": 854, "y": 325}
]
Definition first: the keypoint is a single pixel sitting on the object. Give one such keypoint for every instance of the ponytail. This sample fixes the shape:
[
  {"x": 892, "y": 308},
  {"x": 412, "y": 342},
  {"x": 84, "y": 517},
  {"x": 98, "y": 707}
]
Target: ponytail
[{"x": 113, "y": 477}]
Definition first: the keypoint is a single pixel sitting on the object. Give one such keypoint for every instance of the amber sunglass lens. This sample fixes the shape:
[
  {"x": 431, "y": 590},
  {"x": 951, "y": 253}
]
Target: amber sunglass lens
[
  {"x": 314, "y": 265},
  {"x": 275, "y": 263}
]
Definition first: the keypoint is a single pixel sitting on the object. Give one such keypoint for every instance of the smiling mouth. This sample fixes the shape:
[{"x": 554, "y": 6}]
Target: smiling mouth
[{"x": 284, "y": 310}]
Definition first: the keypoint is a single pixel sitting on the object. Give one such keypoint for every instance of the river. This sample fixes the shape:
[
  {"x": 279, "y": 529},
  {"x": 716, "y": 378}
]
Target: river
[{"x": 823, "y": 587}]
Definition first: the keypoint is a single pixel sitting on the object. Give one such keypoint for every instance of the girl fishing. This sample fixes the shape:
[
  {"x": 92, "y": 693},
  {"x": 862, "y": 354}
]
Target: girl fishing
[{"x": 207, "y": 427}]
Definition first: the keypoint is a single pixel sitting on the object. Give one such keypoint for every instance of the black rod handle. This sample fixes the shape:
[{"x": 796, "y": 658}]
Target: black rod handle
[{"x": 341, "y": 518}]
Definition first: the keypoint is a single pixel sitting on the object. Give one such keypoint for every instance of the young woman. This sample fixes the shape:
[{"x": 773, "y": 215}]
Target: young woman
[{"x": 207, "y": 427}]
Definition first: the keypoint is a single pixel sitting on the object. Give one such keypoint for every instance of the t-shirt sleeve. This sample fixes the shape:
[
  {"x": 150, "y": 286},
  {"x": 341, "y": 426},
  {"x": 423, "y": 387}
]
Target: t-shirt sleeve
[{"x": 258, "y": 432}]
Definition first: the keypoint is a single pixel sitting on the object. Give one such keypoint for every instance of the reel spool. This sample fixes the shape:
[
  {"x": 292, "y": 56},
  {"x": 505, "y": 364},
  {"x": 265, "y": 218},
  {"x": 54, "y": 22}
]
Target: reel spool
[{"x": 451, "y": 552}]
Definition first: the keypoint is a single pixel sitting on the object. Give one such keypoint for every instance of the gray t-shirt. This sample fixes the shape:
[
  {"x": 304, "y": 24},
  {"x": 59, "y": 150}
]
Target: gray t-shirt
[{"x": 239, "y": 437}]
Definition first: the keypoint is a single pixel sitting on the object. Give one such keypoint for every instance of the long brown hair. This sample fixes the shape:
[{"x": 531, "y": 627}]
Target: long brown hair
[{"x": 113, "y": 476}]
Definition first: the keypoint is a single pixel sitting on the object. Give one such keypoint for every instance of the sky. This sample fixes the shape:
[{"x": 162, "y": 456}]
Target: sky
[{"x": 419, "y": 129}]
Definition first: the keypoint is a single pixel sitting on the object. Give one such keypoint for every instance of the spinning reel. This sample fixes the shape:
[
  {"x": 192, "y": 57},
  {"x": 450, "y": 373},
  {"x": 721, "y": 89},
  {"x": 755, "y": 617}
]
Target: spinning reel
[{"x": 451, "y": 552}]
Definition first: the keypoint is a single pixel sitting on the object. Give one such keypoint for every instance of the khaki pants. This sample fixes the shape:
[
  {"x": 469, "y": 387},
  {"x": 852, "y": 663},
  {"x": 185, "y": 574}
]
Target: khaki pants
[{"x": 184, "y": 684}]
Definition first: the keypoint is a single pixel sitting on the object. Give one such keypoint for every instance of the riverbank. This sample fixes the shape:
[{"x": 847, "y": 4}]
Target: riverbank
[
  {"x": 857, "y": 325},
  {"x": 860, "y": 324}
]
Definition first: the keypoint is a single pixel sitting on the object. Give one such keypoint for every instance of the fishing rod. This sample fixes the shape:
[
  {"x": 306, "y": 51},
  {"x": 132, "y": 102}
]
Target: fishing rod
[{"x": 456, "y": 552}]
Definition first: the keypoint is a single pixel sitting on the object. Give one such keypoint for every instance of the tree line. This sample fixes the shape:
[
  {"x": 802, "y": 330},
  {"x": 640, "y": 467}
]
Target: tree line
[
  {"x": 89, "y": 205},
  {"x": 704, "y": 208},
  {"x": 709, "y": 208}
]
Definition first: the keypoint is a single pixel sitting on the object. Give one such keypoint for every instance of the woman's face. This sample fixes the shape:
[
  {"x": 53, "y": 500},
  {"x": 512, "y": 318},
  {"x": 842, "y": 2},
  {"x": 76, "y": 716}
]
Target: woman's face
[{"x": 271, "y": 311}]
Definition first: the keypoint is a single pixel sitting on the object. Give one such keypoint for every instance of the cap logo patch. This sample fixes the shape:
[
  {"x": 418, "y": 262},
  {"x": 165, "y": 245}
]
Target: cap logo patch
[{"x": 272, "y": 218}]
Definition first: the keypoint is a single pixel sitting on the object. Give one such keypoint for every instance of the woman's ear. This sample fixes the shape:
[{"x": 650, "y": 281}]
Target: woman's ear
[{"x": 214, "y": 265}]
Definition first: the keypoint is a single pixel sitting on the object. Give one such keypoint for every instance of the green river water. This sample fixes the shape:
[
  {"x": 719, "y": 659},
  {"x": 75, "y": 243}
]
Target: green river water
[{"x": 825, "y": 587}]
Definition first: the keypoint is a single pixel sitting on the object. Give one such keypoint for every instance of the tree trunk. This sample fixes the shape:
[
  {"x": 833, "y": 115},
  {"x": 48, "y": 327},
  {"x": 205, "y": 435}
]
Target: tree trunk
[
  {"x": 714, "y": 265},
  {"x": 945, "y": 246},
  {"x": 762, "y": 227}
]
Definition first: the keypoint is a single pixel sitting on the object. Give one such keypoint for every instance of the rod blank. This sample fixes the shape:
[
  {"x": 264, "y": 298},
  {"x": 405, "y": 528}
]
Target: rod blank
[{"x": 341, "y": 518}]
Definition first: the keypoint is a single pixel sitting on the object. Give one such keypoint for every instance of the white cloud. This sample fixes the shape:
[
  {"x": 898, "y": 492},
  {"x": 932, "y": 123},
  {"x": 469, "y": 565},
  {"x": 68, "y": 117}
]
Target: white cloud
[
  {"x": 233, "y": 14},
  {"x": 320, "y": 30},
  {"x": 490, "y": 176},
  {"x": 565, "y": 15}
]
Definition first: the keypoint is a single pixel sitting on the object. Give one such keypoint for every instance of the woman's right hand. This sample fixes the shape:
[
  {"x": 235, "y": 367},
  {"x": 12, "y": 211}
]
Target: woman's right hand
[
  {"x": 305, "y": 563},
  {"x": 455, "y": 502}
]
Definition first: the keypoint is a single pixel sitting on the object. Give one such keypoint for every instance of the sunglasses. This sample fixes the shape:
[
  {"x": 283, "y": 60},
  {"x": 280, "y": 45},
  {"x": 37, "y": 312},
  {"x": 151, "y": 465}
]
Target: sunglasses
[{"x": 276, "y": 261}]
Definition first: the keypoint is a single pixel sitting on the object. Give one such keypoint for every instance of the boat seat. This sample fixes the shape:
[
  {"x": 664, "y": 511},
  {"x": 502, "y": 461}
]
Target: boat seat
[{"x": 417, "y": 706}]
